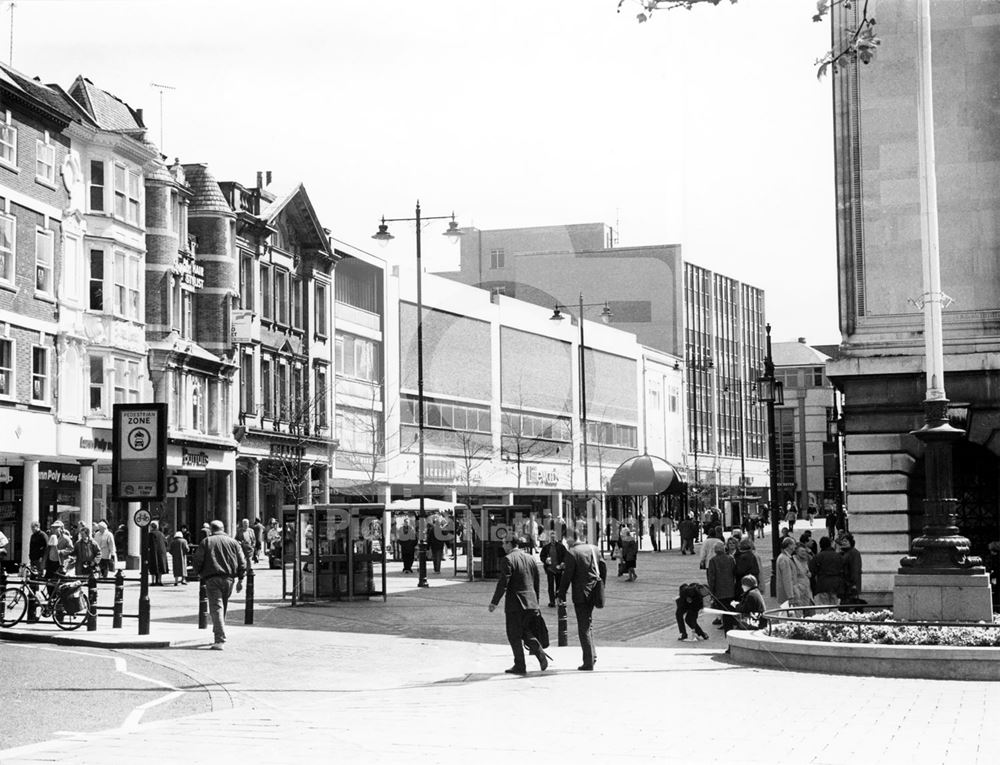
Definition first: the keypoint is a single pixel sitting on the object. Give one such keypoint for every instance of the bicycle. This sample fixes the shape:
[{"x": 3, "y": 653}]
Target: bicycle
[{"x": 68, "y": 611}]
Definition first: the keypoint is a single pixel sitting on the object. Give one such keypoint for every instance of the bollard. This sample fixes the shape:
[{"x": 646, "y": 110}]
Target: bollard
[
  {"x": 92, "y": 596},
  {"x": 32, "y": 602},
  {"x": 3, "y": 585},
  {"x": 563, "y": 624},
  {"x": 116, "y": 621},
  {"x": 202, "y": 605},
  {"x": 248, "y": 613}
]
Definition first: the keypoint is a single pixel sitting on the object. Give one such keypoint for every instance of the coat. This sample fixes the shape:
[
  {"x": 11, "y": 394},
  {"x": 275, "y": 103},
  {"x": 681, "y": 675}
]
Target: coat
[
  {"x": 722, "y": 577},
  {"x": 157, "y": 552},
  {"x": 708, "y": 548},
  {"x": 746, "y": 563},
  {"x": 518, "y": 583},
  {"x": 553, "y": 553},
  {"x": 801, "y": 588},
  {"x": 827, "y": 569},
  {"x": 852, "y": 570},
  {"x": 179, "y": 550},
  {"x": 785, "y": 578},
  {"x": 582, "y": 573},
  {"x": 87, "y": 555}
]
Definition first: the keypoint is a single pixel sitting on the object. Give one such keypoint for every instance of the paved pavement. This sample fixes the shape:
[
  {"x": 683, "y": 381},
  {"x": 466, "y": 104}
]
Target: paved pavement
[{"x": 420, "y": 679}]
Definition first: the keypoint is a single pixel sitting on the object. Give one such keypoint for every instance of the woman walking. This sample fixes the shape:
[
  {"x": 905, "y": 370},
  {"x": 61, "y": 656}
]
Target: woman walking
[{"x": 179, "y": 550}]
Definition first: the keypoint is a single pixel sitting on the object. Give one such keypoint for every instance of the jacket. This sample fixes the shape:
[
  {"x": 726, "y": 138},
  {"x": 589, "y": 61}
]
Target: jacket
[
  {"x": 518, "y": 582},
  {"x": 582, "y": 573},
  {"x": 746, "y": 563},
  {"x": 106, "y": 543},
  {"x": 828, "y": 570},
  {"x": 553, "y": 553},
  {"x": 88, "y": 555},
  {"x": 852, "y": 570},
  {"x": 37, "y": 545},
  {"x": 219, "y": 555},
  {"x": 785, "y": 574},
  {"x": 722, "y": 577},
  {"x": 751, "y": 603}
]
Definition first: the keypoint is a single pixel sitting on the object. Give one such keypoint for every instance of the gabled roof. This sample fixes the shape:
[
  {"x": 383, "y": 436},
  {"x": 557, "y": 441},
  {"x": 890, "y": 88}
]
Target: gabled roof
[
  {"x": 108, "y": 111},
  {"x": 47, "y": 99},
  {"x": 297, "y": 200},
  {"x": 207, "y": 197}
]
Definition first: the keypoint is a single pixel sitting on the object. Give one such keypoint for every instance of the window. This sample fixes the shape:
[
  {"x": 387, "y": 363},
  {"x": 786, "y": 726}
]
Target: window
[
  {"x": 7, "y": 231},
  {"x": 449, "y": 416},
  {"x": 356, "y": 357},
  {"x": 320, "y": 396},
  {"x": 72, "y": 264},
  {"x": 321, "y": 328},
  {"x": 612, "y": 434},
  {"x": 45, "y": 160},
  {"x": 126, "y": 381},
  {"x": 281, "y": 296},
  {"x": 96, "y": 186},
  {"x": 6, "y": 367},
  {"x": 496, "y": 257},
  {"x": 44, "y": 259},
  {"x": 295, "y": 301},
  {"x": 246, "y": 282},
  {"x": 127, "y": 273},
  {"x": 265, "y": 387},
  {"x": 198, "y": 404},
  {"x": 266, "y": 304},
  {"x": 359, "y": 430},
  {"x": 8, "y": 141},
  {"x": 97, "y": 384},
  {"x": 187, "y": 314},
  {"x": 246, "y": 384},
  {"x": 281, "y": 390},
  {"x": 298, "y": 389},
  {"x": 96, "y": 296},
  {"x": 817, "y": 377},
  {"x": 178, "y": 213},
  {"x": 126, "y": 194},
  {"x": 39, "y": 374},
  {"x": 177, "y": 399}
]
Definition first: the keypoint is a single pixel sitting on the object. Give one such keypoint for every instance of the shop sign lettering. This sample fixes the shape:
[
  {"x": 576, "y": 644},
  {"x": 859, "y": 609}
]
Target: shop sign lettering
[{"x": 194, "y": 459}]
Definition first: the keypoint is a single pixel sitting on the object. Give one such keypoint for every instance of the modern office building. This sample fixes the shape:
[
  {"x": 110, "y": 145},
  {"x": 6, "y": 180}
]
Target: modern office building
[
  {"x": 881, "y": 367},
  {"x": 713, "y": 324}
]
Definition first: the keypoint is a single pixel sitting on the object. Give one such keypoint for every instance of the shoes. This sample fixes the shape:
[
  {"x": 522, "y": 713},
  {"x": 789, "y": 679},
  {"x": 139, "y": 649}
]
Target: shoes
[
  {"x": 216, "y": 646},
  {"x": 543, "y": 660},
  {"x": 683, "y": 638},
  {"x": 516, "y": 671},
  {"x": 552, "y": 605},
  {"x": 586, "y": 667}
]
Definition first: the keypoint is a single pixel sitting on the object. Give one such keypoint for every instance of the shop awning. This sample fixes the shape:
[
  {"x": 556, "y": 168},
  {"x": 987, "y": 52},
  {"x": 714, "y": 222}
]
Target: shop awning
[{"x": 643, "y": 476}]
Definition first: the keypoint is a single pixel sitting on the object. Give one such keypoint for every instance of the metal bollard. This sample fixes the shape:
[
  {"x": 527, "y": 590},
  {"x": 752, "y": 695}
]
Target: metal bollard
[
  {"x": 563, "y": 625},
  {"x": 32, "y": 617},
  {"x": 116, "y": 621},
  {"x": 202, "y": 605},
  {"x": 92, "y": 596},
  {"x": 248, "y": 613}
]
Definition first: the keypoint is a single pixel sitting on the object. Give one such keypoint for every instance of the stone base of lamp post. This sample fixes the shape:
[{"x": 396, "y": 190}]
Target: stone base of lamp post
[{"x": 940, "y": 580}]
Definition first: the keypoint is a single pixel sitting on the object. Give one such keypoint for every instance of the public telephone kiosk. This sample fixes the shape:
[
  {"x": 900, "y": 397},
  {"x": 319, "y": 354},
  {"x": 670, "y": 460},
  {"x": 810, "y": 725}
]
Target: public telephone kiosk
[
  {"x": 497, "y": 523},
  {"x": 337, "y": 552}
]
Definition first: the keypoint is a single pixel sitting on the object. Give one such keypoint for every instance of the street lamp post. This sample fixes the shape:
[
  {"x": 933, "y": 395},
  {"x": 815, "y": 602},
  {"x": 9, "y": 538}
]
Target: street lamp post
[
  {"x": 382, "y": 236},
  {"x": 606, "y": 318},
  {"x": 771, "y": 392},
  {"x": 704, "y": 365}
]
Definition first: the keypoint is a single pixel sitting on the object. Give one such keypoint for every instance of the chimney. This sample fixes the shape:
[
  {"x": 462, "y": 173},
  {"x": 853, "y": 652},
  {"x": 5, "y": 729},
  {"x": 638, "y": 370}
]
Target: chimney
[
  {"x": 802, "y": 340},
  {"x": 138, "y": 117},
  {"x": 267, "y": 176},
  {"x": 260, "y": 178}
]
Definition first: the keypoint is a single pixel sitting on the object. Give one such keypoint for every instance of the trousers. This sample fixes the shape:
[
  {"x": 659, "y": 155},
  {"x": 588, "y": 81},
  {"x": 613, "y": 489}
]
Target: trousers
[
  {"x": 519, "y": 633},
  {"x": 218, "y": 589},
  {"x": 585, "y": 630}
]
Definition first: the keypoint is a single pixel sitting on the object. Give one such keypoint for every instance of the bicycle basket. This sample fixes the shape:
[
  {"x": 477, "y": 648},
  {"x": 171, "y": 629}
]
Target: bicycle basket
[{"x": 71, "y": 597}]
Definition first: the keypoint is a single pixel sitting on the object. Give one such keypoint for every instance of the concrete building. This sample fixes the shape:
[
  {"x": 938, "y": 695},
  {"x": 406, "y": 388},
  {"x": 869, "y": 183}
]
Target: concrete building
[
  {"x": 713, "y": 324},
  {"x": 881, "y": 368}
]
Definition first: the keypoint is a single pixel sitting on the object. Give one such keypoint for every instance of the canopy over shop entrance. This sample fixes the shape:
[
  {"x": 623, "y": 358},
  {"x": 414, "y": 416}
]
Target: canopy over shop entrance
[{"x": 645, "y": 475}]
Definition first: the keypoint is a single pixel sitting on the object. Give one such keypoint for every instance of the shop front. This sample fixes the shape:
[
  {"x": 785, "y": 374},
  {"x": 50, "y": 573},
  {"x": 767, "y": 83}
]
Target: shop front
[{"x": 200, "y": 489}]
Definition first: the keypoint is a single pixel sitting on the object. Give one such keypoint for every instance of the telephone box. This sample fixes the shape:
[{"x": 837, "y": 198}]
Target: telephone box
[{"x": 496, "y": 524}]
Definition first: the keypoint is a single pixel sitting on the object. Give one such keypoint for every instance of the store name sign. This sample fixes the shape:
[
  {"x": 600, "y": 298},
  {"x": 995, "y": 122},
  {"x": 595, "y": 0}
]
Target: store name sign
[
  {"x": 58, "y": 476},
  {"x": 542, "y": 477},
  {"x": 96, "y": 443},
  {"x": 194, "y": 275},
  {"x": 194, "y": 459}
]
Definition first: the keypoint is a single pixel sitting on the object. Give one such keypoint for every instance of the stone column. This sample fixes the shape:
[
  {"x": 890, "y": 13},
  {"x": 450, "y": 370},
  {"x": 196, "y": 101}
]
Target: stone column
[
  {"x": 324, "y": 485},
  {"x": 254, "y": 509},
  {"x": 134, "y": 536},
  {"x": 29, "y": 506},
  {"x": 227, "y": 499},
  {"x": 87, "y": 493},
  {"x": 306, "y": 496}
]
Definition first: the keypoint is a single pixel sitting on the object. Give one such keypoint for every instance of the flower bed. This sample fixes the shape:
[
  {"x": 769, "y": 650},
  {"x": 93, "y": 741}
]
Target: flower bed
[{"x": 879, "y": 627}]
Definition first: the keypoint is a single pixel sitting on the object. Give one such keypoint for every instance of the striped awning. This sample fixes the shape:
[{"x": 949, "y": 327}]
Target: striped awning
[{"x": 642, "y": 476}]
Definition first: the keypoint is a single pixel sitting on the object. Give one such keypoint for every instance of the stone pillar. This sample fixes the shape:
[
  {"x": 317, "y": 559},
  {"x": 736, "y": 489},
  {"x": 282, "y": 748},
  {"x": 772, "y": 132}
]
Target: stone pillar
[
  {"x": 29, "y": 506},
  {"x": 324, "y": 485},
  {"x": 87, "y": 493},
  {"x": 306, "y": 489},
  {"x": 254, "y": 509},
  {"x": 134, "y": 536},
  {"x": 510, "y": 498},
  {"x": 227, "y": 499}
]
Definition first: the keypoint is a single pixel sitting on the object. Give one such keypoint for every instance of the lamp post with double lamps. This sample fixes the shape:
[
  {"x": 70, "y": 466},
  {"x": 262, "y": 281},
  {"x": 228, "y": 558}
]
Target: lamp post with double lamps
[
  {"x": 606, "y": 314},
  {"x": 772, "y": 393},
  {"x": 383, "y": 237}
]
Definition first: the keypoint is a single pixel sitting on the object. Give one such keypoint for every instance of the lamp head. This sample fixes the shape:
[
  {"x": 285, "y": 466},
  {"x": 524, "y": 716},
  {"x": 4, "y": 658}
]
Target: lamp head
[
  {"x": 453, "y": 233},
  {"x": 383, "y": 237},
  {"x": 556, "y": 314},
  {"x": 606, "y": 313}
]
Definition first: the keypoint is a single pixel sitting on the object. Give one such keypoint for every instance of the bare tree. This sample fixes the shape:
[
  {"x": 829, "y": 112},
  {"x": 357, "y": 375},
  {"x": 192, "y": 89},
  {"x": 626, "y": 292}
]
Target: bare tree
[
  {"x": 520, "y": 441},
  {"x": 366, "y": 452},
  {"x": 474, "y": 449}
]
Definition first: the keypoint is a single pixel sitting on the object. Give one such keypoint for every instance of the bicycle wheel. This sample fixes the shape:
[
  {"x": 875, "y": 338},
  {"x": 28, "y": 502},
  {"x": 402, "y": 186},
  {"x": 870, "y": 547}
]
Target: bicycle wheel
[
  {"x": 15, "y": 605},
  {"x": 67, "y": 621}
]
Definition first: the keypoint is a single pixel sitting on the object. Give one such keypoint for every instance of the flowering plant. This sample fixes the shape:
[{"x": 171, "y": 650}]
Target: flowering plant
[{"x": 879, "y": 627}]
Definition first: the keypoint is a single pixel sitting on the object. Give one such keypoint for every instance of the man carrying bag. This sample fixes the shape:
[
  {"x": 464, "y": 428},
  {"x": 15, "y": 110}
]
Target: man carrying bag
[{"x": 586, "y": 573}]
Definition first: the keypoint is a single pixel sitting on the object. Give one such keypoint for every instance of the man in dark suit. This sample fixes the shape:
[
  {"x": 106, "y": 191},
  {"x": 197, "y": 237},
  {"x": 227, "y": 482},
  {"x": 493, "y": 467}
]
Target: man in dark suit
[
  {"x": 583, "y": 570},
  {"x": 519, "y": 583}
]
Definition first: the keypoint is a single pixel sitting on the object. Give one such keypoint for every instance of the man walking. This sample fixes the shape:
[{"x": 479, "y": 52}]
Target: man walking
[
  {"x": 37, "y": 546},
  {"x": 582, "y": 572},
  {"x": 519, "y": 586},
  {"x": 218, "y": 560}
]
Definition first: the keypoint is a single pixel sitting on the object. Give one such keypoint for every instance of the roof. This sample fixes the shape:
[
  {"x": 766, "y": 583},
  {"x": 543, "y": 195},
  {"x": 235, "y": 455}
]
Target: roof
[
  {"x": 51, "y": 98},
  {"x": 108, "y": 111},
  {"x": 207, "y": 196},
  {"x": 796, "y": 355}
]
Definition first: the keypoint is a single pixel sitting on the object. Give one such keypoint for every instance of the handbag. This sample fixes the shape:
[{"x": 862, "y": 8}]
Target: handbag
[
  {"x": 540, "y": 629},
  {"x": 597, "y": 595}
]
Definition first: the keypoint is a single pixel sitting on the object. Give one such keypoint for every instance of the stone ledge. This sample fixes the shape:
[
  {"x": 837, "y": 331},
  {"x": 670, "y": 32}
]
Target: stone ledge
[{"x": 914, "y": 661}]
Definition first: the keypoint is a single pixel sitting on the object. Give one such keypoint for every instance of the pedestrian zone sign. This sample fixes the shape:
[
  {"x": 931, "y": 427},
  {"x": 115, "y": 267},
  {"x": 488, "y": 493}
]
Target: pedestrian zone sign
[{"x": 139, "y": 452}]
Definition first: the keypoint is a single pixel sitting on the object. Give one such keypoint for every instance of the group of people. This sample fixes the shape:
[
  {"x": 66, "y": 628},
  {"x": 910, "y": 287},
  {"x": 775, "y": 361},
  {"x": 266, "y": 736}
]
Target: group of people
[
  {"x": 441, "y": 532},
  {"x": 84, "y": 552},
  {"x": 808, "y": 574}
]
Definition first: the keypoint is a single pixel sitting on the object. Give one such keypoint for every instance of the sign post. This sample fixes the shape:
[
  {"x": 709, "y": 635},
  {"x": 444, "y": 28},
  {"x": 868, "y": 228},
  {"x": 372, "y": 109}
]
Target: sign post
[{"x": 138, "y": 474}]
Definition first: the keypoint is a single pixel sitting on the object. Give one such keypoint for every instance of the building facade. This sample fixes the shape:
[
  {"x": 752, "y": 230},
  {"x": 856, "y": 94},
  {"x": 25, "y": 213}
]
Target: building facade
[{"x": 881, "y": 366}]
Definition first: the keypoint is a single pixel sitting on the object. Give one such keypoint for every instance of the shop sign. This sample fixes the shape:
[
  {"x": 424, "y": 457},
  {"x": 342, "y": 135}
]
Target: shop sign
[
  {"x": 194, "y": 459},
  {"x": 177, "y": 485},
  {"x": 244, "y": 326},
  {"x": 193, "y": 275},
  {"x": 288, "y": 451},
  {"x": 101, "y": 441},
  {"x": 6, "y": 476},
  {"x": 139, "y": 457},
  {"x": 539, "y": 477},
  {"x": 54, "y": 475},
  {"x": 439, "y": 470}
]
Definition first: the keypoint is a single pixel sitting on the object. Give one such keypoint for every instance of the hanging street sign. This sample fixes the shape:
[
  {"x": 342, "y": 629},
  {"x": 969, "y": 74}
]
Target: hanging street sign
[{"x": 139, "y": 453}]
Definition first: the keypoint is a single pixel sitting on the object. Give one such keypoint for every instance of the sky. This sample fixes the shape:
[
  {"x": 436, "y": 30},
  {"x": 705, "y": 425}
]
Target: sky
[{"x": 706, "y": 128}]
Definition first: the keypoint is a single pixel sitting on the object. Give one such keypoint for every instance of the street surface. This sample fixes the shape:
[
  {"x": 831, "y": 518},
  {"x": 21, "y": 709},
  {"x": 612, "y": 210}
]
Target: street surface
[{"x": 420, "y": 679}]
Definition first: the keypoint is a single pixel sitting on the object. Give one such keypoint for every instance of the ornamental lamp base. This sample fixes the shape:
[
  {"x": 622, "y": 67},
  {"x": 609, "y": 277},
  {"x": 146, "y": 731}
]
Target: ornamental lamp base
[{"x": 951, "y": 597}]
